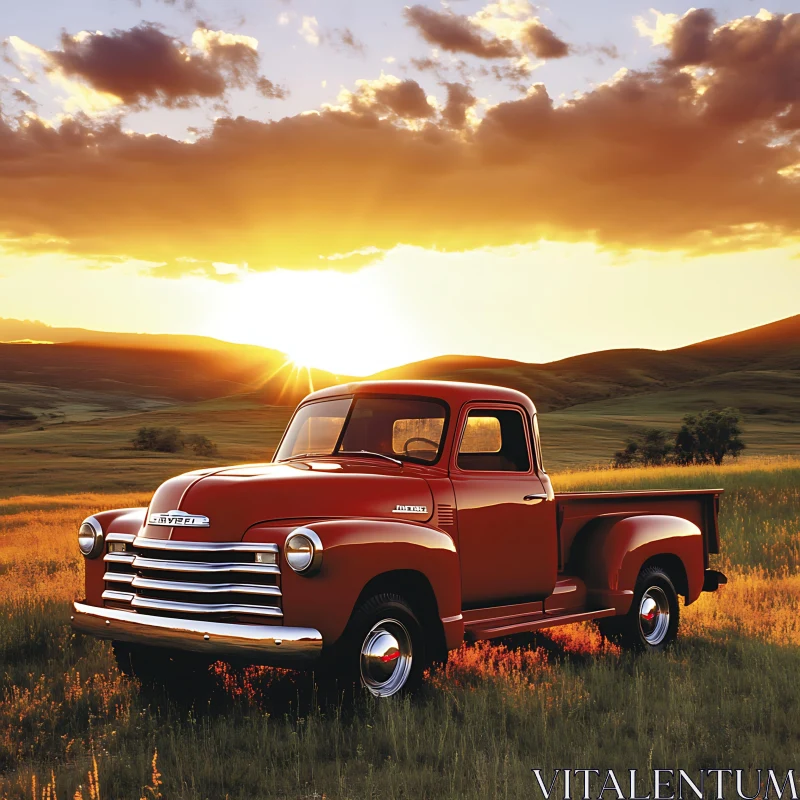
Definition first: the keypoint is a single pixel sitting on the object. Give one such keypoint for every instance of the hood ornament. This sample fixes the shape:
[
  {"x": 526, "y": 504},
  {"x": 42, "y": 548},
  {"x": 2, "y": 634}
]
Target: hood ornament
[{"x": 178, "y": 519}]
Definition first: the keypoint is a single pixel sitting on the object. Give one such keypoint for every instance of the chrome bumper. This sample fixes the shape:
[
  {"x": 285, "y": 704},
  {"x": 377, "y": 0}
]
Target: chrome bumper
[{"x": 268, "y": 644}]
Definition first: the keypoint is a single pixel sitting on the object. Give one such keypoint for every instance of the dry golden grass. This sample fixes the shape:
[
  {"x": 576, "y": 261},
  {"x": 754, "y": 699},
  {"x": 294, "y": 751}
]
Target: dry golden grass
[{"x": 72, "y": 726}]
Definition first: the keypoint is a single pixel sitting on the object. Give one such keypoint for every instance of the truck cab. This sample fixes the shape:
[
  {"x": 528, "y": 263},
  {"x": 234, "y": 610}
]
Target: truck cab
[{"x": 396, "y": 520}]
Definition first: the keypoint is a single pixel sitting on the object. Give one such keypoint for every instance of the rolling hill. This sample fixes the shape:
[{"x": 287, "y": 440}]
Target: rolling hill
[
  {"x": 100, "y": 374},
  {"x": 93, "y": 373},
  {"x": 768, "y": 355},
  {"x": 68, "y": 410}
]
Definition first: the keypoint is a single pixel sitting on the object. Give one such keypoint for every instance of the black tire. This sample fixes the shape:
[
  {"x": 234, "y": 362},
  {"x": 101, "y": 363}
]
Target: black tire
[
  {"x": 383, "y": 648},
  {"x": 651, "y": 624},
  {"x": 153, "y": 666}
]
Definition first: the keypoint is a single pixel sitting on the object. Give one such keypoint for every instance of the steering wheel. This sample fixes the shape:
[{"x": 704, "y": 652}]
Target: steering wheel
[{"x": 434, "y": 445}]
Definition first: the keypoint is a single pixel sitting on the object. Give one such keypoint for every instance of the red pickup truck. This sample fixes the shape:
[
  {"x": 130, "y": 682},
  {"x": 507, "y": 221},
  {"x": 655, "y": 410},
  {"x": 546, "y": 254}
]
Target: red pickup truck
[{"x": 398, "y": 519}]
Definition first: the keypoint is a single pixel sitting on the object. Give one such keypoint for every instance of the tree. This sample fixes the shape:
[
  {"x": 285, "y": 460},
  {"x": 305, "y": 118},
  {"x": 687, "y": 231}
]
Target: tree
[
  {"x": 649, "y": 448},
  {"x": 709, "y": 436}
]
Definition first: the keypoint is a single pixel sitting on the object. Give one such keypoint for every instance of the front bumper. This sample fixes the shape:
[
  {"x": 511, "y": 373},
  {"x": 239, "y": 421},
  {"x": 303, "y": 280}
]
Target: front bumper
[{"x": 267, "y": 644}]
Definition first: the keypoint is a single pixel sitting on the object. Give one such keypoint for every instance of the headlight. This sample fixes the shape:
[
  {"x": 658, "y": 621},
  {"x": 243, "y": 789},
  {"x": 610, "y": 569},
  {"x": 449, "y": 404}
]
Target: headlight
[
  {"x": 90, "y": 538},
  {"x": 303, "y": 551}
]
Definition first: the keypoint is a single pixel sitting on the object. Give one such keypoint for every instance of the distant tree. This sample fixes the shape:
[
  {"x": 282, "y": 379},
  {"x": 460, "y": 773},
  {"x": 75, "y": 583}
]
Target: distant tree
[
  {"x": 649, "y": 448},
  {"x": 709, "y": 436},
  {"x": 172, "y": 440},
  {"x": 627, "y": 457},
  {"x": 201, "y": 445},
  {"x": 159, "y": 440}
]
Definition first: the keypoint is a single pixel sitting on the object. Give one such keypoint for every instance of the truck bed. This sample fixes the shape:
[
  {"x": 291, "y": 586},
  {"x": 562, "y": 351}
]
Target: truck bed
[{"x": 575, "y": 509}]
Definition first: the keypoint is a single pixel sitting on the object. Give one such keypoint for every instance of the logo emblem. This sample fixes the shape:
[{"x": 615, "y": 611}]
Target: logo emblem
[
  {"x": 410, "y": 510},
  {"x": 179, "y": 519}
]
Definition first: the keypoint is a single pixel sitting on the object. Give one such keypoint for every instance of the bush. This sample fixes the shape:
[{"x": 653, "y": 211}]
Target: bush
[
  {"x": 201, "y": 445},
  {"x": 650, "y": 448},
  {"x": 159, "y": 440},
  {"x": 172, "y": 440}
]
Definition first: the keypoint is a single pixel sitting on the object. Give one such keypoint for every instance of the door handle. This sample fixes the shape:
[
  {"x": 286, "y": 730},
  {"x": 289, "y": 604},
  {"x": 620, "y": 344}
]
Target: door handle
[{"x": 535, "y": 497}]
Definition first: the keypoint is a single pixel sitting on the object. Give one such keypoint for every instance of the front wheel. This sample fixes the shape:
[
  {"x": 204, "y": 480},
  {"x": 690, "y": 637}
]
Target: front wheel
[
  {"x": 651, "y": 624},
  {"x": 383, "y": 648}
]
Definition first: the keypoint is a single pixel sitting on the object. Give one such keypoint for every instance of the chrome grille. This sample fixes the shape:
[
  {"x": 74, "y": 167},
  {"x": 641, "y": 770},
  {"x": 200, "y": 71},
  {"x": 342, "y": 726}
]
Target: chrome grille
[{"x": 219, "y": 580}]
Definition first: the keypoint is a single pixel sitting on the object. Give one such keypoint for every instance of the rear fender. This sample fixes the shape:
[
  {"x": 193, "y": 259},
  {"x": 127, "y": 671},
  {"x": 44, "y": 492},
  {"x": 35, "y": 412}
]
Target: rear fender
[
  {"x": 120, "y": 520},
  {"x": 612, "y": 551},
  {"x": 354, "y": 553}
]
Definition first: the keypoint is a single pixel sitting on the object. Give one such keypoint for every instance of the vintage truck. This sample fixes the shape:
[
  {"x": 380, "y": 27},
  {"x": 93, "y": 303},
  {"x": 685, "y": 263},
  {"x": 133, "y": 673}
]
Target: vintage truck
[{"x": 397, "y": 520}]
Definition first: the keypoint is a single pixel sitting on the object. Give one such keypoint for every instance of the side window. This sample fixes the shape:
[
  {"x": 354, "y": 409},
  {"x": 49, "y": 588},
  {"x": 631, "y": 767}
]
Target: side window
[{"x": 494, "y": 440}]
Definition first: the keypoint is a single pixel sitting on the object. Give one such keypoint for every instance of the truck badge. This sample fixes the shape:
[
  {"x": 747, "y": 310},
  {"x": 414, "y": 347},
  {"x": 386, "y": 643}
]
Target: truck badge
[
  {"x": 179, "y": 519},
  {"x": 410, "y": 510}
]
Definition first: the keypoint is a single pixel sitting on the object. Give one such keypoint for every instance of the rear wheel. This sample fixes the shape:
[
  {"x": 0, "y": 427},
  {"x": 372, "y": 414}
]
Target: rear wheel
[
  {"x": 651, "y": 624},
  {"x": 383, "y": 648}
]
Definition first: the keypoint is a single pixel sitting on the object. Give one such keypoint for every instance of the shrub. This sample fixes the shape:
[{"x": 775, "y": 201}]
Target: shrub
[
  {"x": 172, "y": 440},
  {"x": 649, "y": 448},
  {"x": 160, "y": 440},
  {"x": 201, "y": 445}
]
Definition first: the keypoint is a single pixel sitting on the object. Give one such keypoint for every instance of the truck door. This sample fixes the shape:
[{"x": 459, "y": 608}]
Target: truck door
[{"x": 506, "y": 524}]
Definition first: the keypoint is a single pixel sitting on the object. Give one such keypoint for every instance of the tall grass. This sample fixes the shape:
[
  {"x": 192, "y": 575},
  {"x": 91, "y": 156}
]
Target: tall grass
[{"x": 72, "y": 726}]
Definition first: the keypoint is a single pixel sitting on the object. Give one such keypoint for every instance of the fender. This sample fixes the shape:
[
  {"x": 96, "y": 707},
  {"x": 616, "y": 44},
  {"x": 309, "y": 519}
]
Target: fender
[
  {"x": 356, "y": 551},
  {"x": 612, "y": 551},
  {"x": 120, "y": 520}
]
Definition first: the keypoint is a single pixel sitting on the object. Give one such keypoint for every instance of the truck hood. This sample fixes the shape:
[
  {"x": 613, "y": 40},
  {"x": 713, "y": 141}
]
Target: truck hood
[{"x": 236, "y": 498}]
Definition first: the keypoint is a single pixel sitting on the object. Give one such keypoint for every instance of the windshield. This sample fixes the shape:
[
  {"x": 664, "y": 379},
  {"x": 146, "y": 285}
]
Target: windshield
[{"x": 398, "y": 427}]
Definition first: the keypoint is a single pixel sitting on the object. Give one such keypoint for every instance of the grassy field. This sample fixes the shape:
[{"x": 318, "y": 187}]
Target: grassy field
[
  {"x": 71, "y": 726},
  {"x": 96, "y": 456}
]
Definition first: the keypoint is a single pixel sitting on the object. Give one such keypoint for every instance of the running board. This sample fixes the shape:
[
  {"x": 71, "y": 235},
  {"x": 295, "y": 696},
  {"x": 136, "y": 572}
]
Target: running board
[{"x": 491, "y": 626}]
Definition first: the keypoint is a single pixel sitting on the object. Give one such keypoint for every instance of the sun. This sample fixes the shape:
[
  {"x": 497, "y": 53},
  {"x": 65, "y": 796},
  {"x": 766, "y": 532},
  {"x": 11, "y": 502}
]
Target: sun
[{"x": 299, "y": 361}]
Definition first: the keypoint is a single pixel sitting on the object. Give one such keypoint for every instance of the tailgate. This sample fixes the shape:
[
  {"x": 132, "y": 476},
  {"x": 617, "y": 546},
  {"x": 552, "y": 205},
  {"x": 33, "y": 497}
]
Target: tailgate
[{"x": 575, "y": 509}]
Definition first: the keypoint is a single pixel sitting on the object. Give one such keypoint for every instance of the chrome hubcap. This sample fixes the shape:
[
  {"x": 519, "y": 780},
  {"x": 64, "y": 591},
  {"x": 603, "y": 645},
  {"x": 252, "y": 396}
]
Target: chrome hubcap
[
  {"x": 654, "y": 615},
  {"x": 386, "y": 658}
]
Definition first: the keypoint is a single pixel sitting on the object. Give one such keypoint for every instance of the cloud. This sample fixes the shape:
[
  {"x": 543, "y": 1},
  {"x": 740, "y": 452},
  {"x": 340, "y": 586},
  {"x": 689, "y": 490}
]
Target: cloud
[
  {"x": 748, "y": 69},
  {"x": 661, "y": 31},
  {"x": 143, "y": 65},
  {"x": 345, "y": 39},
  {"x": 460, "y": 100},
  {"x": 388, "y": 96},
  {"x": 342, "y": 39},
  {"x": 698, "y": 158},
  {"x": 457, "y": 34},
  {"x": 309, "y": 30},
  {"x": 503, "y": 29},
  {"x": 543, "y": 43},
  {"x": 23, "y": 98}
]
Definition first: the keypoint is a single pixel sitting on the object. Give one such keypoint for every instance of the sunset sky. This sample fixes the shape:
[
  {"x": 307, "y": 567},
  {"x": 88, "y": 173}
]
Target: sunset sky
[{"x": 363, "y": 184}]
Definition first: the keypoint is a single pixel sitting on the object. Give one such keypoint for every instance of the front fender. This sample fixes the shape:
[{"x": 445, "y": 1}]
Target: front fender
[
  {"x": 614, "y": 549},
  {"x": 119, "y": 520},
  {"x": 355, "y": 552}
]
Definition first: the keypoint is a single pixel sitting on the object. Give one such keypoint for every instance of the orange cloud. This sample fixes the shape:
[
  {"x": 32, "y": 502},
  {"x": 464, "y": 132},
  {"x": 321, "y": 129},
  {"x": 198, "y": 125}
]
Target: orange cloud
[
  {"x": 144, "y": 65},
  {"x": 498, "y": 30},
  {"x": 664, "y": 158},
  {"x": 457, "y": 34},
  {"x": 388, "y": 96},
  {"x": 543, "y": 43}
]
